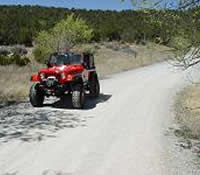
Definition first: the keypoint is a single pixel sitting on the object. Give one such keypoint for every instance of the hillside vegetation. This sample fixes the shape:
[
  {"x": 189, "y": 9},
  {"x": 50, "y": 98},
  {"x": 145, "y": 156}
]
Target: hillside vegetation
[{"x": 21, "y": 24}]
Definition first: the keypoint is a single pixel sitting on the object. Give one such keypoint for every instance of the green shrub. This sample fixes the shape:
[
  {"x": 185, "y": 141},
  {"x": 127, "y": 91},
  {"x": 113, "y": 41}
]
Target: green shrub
[
  {"x": 40, "y": 56},
  {"x": 14, "y": 59},
  {"x": 179, "y": 43},
  {"x": 19, "y": 60},
  {"x": 5, "y": 60},
  {"x": 26, "y": 61}
]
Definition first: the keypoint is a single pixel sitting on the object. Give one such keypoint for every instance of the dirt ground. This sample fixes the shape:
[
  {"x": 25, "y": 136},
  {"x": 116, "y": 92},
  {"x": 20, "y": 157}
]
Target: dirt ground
[{"x": 125, "y": 131}]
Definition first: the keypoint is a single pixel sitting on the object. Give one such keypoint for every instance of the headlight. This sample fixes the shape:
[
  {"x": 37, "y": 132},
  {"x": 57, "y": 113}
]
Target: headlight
[
  {"x": 62, "y": 75},
  {"x": 42, "y": 76},
  {"x": 69, "y": 77}
]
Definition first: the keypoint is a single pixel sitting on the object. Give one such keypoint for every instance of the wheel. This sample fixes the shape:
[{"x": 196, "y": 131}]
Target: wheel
[
  {"x": 78, "y": 96},
  {"x": 36, "y": 96},
  {"x": 94, "y": 87}
]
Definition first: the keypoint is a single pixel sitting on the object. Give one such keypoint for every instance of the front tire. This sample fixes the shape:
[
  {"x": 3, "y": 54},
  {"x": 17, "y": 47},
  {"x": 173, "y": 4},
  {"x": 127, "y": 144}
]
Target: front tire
[
  {"x": 78, "y": 97},
  {"x": 36, "y": 96}
]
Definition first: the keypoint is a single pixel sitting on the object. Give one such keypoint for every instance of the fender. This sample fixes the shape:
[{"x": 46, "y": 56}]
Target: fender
[
  {"x": 78, "y": 79},
  {"x": 35, "y": 78},
  {"x": 93, "y": 74}
]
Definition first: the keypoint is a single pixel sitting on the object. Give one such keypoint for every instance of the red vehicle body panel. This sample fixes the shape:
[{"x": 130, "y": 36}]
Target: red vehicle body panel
[
  {"x": 69, "y": 70},
  {"x": 35, "y": 78}
]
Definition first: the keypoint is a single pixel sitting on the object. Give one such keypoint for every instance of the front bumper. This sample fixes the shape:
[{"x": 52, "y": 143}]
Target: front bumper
[{"x": 54, "y": 88}]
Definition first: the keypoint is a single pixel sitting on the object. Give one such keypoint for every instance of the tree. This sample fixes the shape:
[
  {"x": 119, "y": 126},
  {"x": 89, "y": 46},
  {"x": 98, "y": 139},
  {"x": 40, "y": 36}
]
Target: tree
[
  {"x": 187, "y": 41},
  {"x": 62, "y": 37},
  {"x": 182, "y": 4}
]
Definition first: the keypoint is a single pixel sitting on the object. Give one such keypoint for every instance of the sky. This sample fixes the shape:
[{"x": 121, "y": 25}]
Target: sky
[{"x": 83, "y": 4}]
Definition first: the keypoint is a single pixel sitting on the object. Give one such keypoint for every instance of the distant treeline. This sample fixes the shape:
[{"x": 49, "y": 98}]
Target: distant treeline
[{"x": 21, "y": 24}]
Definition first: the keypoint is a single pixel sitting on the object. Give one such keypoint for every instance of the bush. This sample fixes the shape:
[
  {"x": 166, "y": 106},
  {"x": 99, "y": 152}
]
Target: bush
[
  {"x": 5, "y": 60},
  {"x": 179, "y": 43},
  {"x": 19, "y": 50},
  {"x": 20, "y": 61},
  {"x": 14, "y": 59},
  {"x": 4, "y": 51},
  {"x": 24, "y": 61},
  {"x": 40, "y": 56}
]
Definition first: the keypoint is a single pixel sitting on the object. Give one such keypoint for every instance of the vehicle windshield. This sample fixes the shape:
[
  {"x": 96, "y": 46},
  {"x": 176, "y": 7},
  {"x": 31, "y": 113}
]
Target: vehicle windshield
[{"x": 60, "y": 59}]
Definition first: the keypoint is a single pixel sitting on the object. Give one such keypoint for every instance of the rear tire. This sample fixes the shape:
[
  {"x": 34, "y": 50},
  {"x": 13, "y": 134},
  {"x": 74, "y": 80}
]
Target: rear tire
[
  {"x": 36, "y": 96},
  {"x": 78, "y": 96},
  {"x": 94, "y": 87}
]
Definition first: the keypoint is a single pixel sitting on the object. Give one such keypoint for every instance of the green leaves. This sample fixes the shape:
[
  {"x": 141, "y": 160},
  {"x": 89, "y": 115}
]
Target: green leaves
[
  {"x": 63, "y": 36},
  {"x": 71, "y": 31},
  {"x": 165, "y": 3}
]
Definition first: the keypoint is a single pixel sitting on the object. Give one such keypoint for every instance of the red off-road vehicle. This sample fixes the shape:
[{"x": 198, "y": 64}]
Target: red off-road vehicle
[{"x": 72, "y": 73}]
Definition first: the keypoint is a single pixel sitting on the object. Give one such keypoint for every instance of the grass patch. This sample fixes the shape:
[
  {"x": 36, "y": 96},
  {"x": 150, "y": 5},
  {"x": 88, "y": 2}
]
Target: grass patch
[
  {"x": 188, "y": 111},
  {"x": 117, "y": 57},
  {"x": 15, "y": 82}
]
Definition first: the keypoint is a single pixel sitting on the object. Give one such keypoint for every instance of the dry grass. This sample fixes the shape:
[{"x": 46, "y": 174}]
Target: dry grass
[
  {"x": 115, "y": 57},
  {"x": 110, "y": 58},
  {"x": 188, "y": 110},
  {"x": 15, "y": 82}
]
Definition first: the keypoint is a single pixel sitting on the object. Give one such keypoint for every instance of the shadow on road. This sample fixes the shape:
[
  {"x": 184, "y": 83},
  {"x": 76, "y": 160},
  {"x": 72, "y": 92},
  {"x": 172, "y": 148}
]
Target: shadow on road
[
  {"x": 27, "y": 124},
  {"x": 22, "y": 121},
  {"x": 65, "y": 102}
]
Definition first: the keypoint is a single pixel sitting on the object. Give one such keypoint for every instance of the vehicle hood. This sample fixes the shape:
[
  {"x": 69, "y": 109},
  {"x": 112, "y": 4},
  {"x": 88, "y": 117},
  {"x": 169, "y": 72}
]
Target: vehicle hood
[{"x": 68, "y": 69}]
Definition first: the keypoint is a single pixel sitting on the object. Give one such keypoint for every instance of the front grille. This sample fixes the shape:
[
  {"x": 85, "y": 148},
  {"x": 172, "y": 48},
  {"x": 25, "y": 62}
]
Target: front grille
[{"x": 51, "y": 82}]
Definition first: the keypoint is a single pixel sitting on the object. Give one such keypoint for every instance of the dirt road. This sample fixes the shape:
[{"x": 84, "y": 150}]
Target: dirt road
[{"x": 124, "y": 132}]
